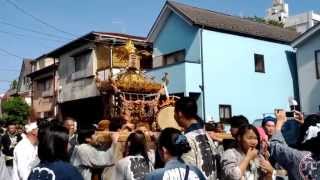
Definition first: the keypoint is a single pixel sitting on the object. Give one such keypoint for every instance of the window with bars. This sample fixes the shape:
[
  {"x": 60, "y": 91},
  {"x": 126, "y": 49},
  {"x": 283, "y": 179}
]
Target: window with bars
[
  {"x": 225, "y": 112},
  {"x": 45, "y": 84}
]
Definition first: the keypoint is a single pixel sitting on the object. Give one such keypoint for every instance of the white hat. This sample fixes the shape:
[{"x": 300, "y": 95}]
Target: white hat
[{"x": 31, "y": 126}]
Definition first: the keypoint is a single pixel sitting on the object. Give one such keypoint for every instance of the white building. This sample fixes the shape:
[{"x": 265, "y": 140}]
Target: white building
[
  {"x": 303, "y": 22},
  {"x": 278, "y": 12},
  {"x": 300, "y": 22}
]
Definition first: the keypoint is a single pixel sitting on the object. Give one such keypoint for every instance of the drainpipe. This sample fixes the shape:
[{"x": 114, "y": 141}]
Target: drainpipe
[
  {"x": 54, "y": 88},
  {"x": 202, "y": 77}
]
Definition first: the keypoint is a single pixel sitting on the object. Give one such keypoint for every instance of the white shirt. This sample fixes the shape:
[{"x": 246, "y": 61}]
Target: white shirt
[{"x": 25, "y": 158}]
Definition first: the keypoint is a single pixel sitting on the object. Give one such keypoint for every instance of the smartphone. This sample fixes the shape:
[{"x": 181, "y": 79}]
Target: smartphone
[{"x": 290, "y": 114}]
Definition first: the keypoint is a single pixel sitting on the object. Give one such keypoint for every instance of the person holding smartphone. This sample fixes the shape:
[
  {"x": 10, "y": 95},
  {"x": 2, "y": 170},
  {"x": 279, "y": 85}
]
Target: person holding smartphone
[{"x": 303, "y": 162}]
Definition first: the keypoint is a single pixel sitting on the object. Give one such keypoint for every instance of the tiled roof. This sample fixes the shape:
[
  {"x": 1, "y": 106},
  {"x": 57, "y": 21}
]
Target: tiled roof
[
  {"x": 120, "y": 35},
  {"x": 92, "y": 37},
  {"x": 233, "y": 24}
]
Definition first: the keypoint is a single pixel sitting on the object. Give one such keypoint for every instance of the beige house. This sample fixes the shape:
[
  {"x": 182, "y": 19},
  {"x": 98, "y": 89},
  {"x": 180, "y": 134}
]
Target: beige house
[
  {"x": 81, "y": 63},
  {"x": 44, "y": 83}
]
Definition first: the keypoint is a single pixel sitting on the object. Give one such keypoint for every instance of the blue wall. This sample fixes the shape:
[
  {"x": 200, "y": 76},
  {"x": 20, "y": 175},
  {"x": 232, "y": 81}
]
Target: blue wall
[
  {"x": 176, "y": 35},
  {"x": 230, "y": 76},
  {"x": 184, "y": 77},
  {"x": 177, "y": 78}
]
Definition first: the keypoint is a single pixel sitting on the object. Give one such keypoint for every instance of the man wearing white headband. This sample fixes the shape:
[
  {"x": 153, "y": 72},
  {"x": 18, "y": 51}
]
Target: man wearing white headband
[{"x": 26, "y": 153}]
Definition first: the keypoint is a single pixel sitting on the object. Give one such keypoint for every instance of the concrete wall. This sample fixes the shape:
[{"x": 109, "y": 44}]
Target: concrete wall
[
  {"x": 42, "y": 63},
  {"x": 308, "y": 83},
  {"x": 72, "y": 88},
  {"x": 302, "y": 22},
  {"x": 230, "y": 77}
]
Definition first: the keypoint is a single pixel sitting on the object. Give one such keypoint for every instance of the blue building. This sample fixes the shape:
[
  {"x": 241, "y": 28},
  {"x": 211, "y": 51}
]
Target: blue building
[
  {"x": 308, "y": 62},
  {"x": 231, "y": 65}
]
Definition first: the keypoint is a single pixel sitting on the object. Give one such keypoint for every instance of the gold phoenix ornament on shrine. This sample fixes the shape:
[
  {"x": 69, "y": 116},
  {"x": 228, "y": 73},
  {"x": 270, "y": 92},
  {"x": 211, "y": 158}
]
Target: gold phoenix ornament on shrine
[{"x": 133, "y": 79}]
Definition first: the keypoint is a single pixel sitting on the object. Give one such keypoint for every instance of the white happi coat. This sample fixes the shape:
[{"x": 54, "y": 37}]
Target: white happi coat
[
  {"x": 132, "y": 168},
  {"x": 25, "y": 157},
  {"x": 203, "y": 153}
]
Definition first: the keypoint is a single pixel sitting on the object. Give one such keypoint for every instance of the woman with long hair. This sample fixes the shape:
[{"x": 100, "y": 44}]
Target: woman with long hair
[
  {"x": 171, "y": 145},
  {"x": 136, "y": 162},
  {"x": 242, "y": 162}
]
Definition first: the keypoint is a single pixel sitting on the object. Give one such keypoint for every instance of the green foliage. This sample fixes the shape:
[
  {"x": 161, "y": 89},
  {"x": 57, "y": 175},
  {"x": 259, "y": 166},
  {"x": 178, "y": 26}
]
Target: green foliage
[
  {"x": 256, "y": 19},
  {"x": 276, "y": 23},
  {"x": 14, "y": 84},
  {"x": 15, "y": 110},
  {"x": 261, "y": 20}
]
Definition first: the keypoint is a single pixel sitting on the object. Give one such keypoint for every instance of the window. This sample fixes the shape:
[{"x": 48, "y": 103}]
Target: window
[
  {"x": 317, "y": 63},
  {"x": 168, "y": 59},
  {"x": 225, "y": 112},
  {"x": 81, "y": 60},
  {"x": 174, "y": 57},
  {"x": 45, "y": 85},
  {"x": 146, "y": 63},
  {"x": 42, "y": 63},
  {"x": 259, "y": 63},
  {"x": 157, "y": 61},
  {"x": 48, "y": 114}
]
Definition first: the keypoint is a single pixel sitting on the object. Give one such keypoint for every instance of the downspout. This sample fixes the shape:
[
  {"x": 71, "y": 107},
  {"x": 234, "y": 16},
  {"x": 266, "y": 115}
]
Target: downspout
[
  {"x": 54, "y": 88},
  {"x": 202, "y": 76}
]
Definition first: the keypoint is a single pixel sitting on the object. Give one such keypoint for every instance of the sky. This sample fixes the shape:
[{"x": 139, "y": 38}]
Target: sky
[{"x": 30, "y": 28}]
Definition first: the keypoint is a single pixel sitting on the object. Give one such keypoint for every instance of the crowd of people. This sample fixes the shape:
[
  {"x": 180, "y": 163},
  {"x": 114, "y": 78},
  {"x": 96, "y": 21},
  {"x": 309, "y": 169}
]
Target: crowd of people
[{"x": 58, "y": 150}]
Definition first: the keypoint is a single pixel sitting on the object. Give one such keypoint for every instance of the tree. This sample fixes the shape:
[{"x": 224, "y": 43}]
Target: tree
[
  {"x": 14, "y": 84},
  {"x": 15, "y": 109},
  {"x": 276, "y": 23}
]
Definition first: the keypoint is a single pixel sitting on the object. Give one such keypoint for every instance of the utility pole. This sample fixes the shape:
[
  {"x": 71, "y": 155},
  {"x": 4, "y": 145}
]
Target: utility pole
[
  {"x": 1, "y": 105},
  {"x": 202, "y": 77},
  {"x": 0, "y": 109}
]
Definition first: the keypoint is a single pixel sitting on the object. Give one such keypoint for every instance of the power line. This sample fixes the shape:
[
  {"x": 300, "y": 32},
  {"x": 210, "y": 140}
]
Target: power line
[
  {"x": 9, "y": 70},
  {"x": 6, "y": 81},
  {"x": 38, "y": 19},
  {"x": 31, "y": 30},
  {"x": 44, "y": 22},
  {"x": 11, "y": 54},
  {"x": 28, "y": 36}
]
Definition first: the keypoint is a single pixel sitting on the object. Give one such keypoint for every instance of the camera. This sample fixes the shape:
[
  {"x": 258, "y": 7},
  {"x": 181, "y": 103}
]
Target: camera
[{"x": 290, "y": 114}]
